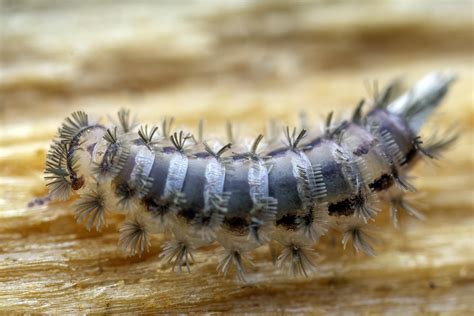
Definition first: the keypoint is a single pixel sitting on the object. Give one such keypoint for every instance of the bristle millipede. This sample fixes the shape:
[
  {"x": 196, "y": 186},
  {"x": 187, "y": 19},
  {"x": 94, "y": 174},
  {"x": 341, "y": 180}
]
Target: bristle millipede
[{"x": 200, "y": 192}]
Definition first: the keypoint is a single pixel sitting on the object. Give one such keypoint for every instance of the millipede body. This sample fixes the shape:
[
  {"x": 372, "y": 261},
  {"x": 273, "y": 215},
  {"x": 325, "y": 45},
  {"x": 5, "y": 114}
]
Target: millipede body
[{"x": 288, "y": 187}]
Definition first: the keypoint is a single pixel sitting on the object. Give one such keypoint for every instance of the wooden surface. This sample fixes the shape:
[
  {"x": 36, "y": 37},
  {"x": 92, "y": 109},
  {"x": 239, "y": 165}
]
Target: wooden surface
[{"x": 246, "y": 62}]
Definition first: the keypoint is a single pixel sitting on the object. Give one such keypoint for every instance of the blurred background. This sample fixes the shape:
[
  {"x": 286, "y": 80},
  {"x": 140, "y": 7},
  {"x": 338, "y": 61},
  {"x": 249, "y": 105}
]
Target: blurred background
[
  {"x": 244, "y": 61},
  {"x": 192, "y": 58}
]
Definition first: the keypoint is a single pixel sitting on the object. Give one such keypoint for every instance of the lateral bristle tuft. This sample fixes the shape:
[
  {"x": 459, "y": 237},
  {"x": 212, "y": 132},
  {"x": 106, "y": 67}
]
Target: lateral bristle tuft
[
  {"x": 400, "y": 203},
  {"x": 178, "y": 254},
  {"x": 134, "y": 237},
  {"x": 360, "y": 238},
  {"x": 297, "y": 260},
  {"x": 90, "y": 208},
  {"x": 233, "y": 258},
  {"x": 262, "y": 214}
]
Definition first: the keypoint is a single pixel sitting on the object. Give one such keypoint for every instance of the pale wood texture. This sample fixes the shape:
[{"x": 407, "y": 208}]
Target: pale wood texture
[{"x": 242, "y": 61}]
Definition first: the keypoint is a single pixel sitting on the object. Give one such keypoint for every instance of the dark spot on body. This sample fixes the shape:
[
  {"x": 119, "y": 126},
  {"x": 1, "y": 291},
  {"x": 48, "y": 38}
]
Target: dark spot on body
[
  {"x": 410, "y": 155},
  {"x": 384, "y": 182},
  {"x": 315, "y": 142},
  {"x": 158, "y": 207},
  {"x": 238, "y": 157},
  {"x": 348, "y": 206},
  {"x": 138, "y": 141},
  {"x": 363, "y": 149},
  {"x": 169, "y": 150},
  {"x": 204, "y": 154},
  {"x": 124, "y": 190},
  {"x": 203, "y": 220},
  {"x": 342, "y": 208},
  {"x": 278, "y": 152},
  {"x": 76, "y": 183},
  {"x": 358, "y": 201},
  {"x": 188, "y": 214},
  {"x": 90, "y": 148},
  {"x": 290, "y": 222},
  {"x": 236, "y": 224},
  {"x": 308, "y": 219}
]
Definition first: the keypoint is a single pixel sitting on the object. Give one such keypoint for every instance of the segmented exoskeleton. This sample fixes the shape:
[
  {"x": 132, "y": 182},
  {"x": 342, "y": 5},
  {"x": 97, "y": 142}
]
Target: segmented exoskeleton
[{"x": 200, "y": 193}]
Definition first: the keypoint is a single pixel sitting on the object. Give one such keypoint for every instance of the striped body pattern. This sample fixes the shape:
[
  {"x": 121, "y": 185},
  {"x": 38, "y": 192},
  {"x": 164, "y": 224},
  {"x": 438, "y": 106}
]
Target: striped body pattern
[{"x": 289, "y": 187}]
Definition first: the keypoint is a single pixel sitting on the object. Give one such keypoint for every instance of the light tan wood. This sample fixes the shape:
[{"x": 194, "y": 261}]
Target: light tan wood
[{"x": 247, "y": 63}]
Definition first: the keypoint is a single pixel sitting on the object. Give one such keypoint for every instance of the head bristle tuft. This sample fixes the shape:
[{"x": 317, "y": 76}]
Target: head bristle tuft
[{"x": 73, "y": 125}]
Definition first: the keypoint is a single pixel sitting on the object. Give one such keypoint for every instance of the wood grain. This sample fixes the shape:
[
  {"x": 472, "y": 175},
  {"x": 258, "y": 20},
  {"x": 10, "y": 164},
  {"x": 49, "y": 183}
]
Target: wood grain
[{"x": 246, "y": 62}]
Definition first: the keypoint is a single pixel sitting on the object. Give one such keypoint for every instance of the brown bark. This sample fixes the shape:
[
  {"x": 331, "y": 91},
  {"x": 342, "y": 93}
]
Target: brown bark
[{"x": 247, "y": 63}]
